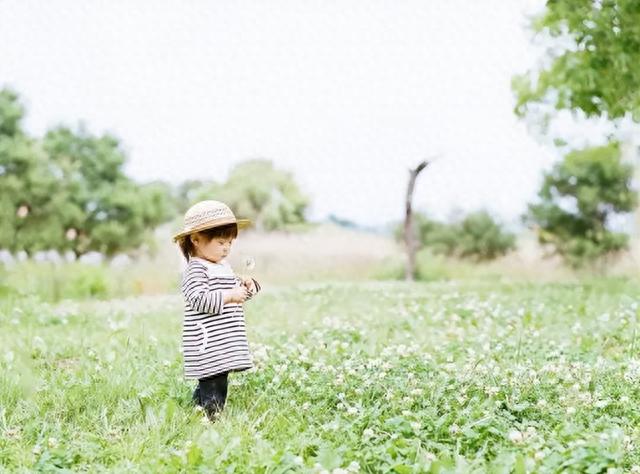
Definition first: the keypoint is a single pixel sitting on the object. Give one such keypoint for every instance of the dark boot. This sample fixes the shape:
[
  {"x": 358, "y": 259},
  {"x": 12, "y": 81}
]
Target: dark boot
[{"x": 213, "y": 394}]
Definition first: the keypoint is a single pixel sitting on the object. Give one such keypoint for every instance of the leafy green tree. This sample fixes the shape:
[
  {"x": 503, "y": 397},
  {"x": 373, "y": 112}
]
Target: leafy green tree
[
  {"x": 28, "y": 187},
  {"x": 577, "y": 199},
  {"x": 476, "y": 236},
  {"x": 594, "y": 59},
  {"x": 69, "y": 192},
  {"x": 101, "y": 209},
  {"x": 480, "y": 237},
  {"x": 257, "y": 190},
  {"x": 11, "y": 113}
]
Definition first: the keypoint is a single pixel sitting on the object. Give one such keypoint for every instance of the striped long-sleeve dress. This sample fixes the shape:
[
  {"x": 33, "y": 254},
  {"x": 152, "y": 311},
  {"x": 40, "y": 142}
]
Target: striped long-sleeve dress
[{"x": 214, "y": 336}]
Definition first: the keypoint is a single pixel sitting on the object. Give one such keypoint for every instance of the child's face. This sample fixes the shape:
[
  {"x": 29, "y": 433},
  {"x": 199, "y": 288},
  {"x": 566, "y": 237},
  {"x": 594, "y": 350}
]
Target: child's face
[{"x": 213, "y": 250}]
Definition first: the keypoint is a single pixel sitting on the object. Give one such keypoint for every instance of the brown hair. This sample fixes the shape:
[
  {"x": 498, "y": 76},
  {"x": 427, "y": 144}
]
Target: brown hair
[{"x": 229, "y": 231}]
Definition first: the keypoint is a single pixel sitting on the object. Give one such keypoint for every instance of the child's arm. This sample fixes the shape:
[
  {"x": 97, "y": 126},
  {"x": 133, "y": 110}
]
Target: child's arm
[{"x": 195, "y": 288}]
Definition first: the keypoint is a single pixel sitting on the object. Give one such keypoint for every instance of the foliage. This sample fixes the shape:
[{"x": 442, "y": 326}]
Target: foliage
[
  {"x": 69, "y": 191},
  {"x": 258, "y": 191},
  {"x": 28, "y": 188},
  {"x": 594, "y": 63},
  {"x": 438, "y": 377},
  {"x": 476, "y": 236},
  {"x": 482, "y": 238},
  {"x": 578, "y": 197},
  {"x": 108, "y": 211}
]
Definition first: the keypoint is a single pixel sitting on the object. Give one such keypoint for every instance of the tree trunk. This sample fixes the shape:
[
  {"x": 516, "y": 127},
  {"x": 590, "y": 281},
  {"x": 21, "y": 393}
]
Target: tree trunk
[{"x": 409, "y": 234}]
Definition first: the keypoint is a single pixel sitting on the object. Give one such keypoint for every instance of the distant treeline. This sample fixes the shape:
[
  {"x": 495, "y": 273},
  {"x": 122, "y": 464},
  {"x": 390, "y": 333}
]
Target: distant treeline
[{"x": 68, "y": 192}]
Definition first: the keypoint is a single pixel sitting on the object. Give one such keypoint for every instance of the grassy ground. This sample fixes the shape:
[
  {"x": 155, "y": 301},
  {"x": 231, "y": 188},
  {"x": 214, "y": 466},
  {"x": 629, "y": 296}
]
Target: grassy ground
[{"x": 369, "y": 377}]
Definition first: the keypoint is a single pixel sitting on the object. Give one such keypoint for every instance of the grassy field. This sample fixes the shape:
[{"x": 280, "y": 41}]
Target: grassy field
[{"x": 475, "y": 376}]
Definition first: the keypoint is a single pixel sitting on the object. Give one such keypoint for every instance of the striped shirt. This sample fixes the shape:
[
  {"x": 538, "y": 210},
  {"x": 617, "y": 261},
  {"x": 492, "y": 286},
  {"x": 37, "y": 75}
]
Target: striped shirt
[{"x": 214, "y": 336}]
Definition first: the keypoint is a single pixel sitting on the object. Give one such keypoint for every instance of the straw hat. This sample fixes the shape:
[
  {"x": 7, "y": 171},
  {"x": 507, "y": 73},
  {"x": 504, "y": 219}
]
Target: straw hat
[{"x": 208, "y": 214}]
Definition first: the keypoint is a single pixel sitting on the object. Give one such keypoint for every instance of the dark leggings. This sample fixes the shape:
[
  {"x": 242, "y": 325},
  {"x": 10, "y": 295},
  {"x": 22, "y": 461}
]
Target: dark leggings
[{"x": 211, "y": 393}]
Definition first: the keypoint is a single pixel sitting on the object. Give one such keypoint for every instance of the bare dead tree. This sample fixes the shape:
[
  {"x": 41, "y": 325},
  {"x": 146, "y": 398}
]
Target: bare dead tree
[{"x": 409, "y": 234}]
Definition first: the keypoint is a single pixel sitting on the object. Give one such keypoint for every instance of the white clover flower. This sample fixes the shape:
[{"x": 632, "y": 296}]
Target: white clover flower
[
  {"x": 367, "y": 433},
  {"x": 353, "y": 467},
  {"x": 13, "y": 433},
  {"x": 491, "y": 391},
  {"x": 515, "y": 436},
  {"x": 454, "y": 429},
  {"x": 601, "y": 403},
  {"x": 318, "y": 469}
]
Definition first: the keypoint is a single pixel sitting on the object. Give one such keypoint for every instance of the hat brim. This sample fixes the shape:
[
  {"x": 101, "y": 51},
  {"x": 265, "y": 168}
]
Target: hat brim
[{"x": 242, "y": 224}]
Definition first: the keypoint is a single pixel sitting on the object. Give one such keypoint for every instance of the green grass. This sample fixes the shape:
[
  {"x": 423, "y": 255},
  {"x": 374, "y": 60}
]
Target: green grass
[{"x": 370, "y": 377}]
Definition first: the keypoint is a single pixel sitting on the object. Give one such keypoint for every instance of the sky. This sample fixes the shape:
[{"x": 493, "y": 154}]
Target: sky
[{"x": 346, "y": 95}]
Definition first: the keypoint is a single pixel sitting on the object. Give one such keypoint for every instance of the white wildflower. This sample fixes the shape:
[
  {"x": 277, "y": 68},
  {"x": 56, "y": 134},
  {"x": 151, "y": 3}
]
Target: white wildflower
[{"x": 515, "y": 436}]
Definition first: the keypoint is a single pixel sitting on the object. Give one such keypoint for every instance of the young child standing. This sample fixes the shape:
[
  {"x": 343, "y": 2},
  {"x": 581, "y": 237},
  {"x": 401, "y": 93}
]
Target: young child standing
[{"x": 214, "y": 337}]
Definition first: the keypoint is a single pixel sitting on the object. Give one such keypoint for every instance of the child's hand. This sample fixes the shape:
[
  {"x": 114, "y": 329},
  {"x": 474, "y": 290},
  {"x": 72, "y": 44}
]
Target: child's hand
[
  {"x": 237, "y": 294},
  {"x": 248, "y": 283}
]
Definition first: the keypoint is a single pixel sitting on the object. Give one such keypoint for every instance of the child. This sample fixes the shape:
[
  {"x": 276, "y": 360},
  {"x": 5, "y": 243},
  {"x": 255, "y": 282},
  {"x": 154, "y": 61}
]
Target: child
[{"x": 214, "y": 338}]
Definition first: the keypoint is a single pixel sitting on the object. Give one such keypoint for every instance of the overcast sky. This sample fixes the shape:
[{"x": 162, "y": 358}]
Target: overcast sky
[{"x": 347, "y": 95}]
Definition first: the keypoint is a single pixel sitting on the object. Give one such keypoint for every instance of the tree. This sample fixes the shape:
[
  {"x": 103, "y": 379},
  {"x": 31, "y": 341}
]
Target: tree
[
  {"x": 476, "y": 236},
  {"x": 69, "y": 192},
  {"x": 258, "y": 191},
  {"x": 480, "y": 237},
  {"x": 28, "y": 187},
  {"x": 100, "y": 208},
  {"x": 577, "y": 199},
  {"x": 594, "y": 63}
]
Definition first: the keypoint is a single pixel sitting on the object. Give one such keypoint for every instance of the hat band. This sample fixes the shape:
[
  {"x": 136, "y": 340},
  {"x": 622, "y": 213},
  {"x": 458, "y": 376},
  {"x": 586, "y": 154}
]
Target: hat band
[{"x": 208, "y": 215}]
